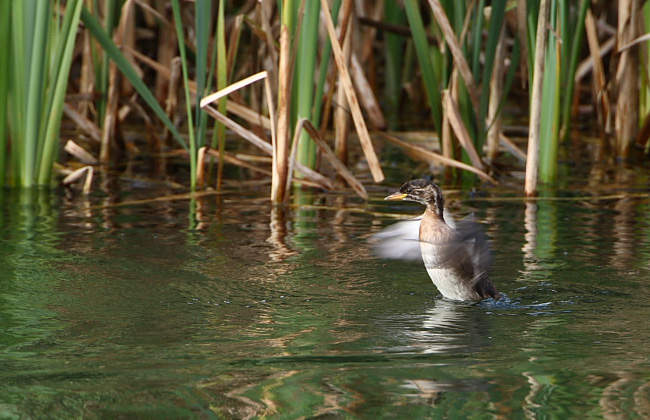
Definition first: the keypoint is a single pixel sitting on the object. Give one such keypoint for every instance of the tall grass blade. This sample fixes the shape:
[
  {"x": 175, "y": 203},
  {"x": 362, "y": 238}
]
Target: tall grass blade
[
  {"x": 574, "y": 58},
  {"x": 202, "y": 16},
  {"x": 477, "y": 38},
  {"x": 58, "y": 81},
  {"x": 222, "y": 82},
  {"x": 5, "y": 39},
  {"x": 186, "y": 89},
  {"x": 37, "y": 14}
]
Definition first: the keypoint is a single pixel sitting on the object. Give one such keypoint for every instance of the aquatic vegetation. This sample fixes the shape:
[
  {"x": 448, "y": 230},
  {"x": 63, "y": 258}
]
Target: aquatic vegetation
[{"x": 335, "y": 64}]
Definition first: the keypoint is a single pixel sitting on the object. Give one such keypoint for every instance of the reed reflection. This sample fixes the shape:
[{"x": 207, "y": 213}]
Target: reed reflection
[{"x": 278, "y": 235}]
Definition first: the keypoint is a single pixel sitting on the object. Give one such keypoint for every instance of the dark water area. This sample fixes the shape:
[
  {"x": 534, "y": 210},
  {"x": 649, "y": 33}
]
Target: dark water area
[{"x": 226, "y": 308}]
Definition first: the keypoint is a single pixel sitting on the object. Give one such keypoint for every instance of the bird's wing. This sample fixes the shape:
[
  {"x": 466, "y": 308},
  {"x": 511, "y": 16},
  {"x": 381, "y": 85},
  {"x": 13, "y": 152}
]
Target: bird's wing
[
  {"x": 475, "y": 241},
  {"x": 399, "y": 241}
]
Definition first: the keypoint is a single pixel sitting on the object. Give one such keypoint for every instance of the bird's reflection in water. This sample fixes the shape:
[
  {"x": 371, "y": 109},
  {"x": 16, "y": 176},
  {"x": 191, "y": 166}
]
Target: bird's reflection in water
[{"x": 446, "y": 327}]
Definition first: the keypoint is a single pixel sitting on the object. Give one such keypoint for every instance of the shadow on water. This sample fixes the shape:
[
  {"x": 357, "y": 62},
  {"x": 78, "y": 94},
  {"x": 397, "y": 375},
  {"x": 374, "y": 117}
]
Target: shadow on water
[{"x": 230, "y": 308}]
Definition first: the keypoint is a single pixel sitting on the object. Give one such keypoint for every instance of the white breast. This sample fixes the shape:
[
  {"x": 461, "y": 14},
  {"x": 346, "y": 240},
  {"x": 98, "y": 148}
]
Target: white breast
[{"x": 447, "y": 280}]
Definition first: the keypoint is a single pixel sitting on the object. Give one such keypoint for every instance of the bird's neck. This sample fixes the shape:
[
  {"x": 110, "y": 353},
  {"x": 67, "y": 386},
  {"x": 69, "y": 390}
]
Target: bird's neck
[{"x": 435, "y": 210}]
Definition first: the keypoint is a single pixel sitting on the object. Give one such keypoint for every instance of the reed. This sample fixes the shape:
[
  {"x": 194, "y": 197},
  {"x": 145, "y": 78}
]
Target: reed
[
  {"x": 222, "y": 82},
  {"x": 627, "y": 78},
  {"x": 303, "y": 80},
  {"x": 113, "y": 52},
  {"x": 549, "y": 131},
  {"x": 456, "y": 47},
  {"x": 34, "y": 79}
]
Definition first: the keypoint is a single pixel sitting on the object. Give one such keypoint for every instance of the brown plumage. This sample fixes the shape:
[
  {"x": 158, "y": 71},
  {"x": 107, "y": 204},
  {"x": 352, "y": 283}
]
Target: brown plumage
[{"x": 457, "y": 259}]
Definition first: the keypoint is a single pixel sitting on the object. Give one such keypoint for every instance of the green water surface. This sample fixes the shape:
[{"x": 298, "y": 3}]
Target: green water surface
[{"x": 227, "y": 309}]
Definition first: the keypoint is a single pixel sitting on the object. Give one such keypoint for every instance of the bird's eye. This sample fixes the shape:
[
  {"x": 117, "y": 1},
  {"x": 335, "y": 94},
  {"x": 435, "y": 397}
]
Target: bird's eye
[{"x": 408, "y": 191}]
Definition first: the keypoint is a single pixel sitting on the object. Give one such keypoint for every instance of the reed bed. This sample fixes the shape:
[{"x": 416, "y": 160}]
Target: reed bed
[{"x": 321, "y": 66}]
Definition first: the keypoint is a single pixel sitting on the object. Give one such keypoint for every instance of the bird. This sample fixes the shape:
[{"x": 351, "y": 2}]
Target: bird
[{"x": 458, "y": 259}]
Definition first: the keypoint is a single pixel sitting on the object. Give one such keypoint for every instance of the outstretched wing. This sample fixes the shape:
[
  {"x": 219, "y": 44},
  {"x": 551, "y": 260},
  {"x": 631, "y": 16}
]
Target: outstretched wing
[{"x": 399, "y": 241}]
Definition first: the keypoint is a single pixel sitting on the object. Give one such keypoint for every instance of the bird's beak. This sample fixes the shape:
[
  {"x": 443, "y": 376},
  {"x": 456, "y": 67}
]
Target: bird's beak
[{"x": 396, "y": 196}]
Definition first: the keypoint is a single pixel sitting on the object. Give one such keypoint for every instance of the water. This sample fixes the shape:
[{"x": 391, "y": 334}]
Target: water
[{"x": 236, "y": 311}]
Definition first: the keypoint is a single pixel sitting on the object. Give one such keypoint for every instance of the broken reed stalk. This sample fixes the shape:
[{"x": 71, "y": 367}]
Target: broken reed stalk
[
  {"x": 310, "y": 174},
  {"x": 532, "y": 161},
  {"x": 460, "y": 130},
  {"x": 340, "y": 167},
  {"x": 457, "y": 52},
  {"x": 357, "y": 116},
  {"x": 437, "y": 157},
  {"x": 77, "y": 175}
]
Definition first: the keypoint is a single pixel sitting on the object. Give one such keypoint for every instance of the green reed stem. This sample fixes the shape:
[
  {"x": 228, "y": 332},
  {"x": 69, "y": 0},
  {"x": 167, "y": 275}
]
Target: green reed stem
[
  {"x": 36, "y": 14},
  {"x": 5, "y": 39},
  {"x": 303, "y": 78},
  {"x": 186, "y": 88},
  {"x": 550, "y": 117},
  {"x": 58, "y": 83},
  {"x": 222, "y": 82}
]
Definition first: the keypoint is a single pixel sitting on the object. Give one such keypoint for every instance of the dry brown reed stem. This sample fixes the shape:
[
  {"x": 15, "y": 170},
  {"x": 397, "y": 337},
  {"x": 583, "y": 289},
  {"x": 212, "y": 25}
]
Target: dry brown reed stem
[
  {"x": 232, "y": 88},
  {"x": 233, "y": 42},
  {"x": 456, "y": 52},
  {"x": 341, "y": 113},
  {"x": 233, "y": 160},
  {"x": 437, "y": 158},
  {"x": 460, "y": 130},
  {"x": 627, "y": 79},
  {"x": 512, "y": 148},
  {"x": 257, "y": 141},
  {"x": 87, "y": 75},
  {"x": 331, "y": 157},
  {"x": 114, "y": 87},
  {"x": 80, "y": 153},
  {"x": 266, "y": 14},
  {"x": 599, "y": 81},
  {"x": 357, "y": 116},
  {"x": 74, "y": 176},
  {"x": 174, "y": 80},
  {"x": 522, "y": 17},
  {"x": 636, "y": 41},
  {"x": 367, "y": 95},
  {"x": 532, "y": 161},
  {"x": 283, "y": 129},
  {"x": 586, "y": 65},
  {"x": 447, "y": 135},
  {"x": 344, "y": 17},
  {"x": 496, "y": 90},
  {"x": 82, "y": 122},
  {"x": 239, "y": 110}
]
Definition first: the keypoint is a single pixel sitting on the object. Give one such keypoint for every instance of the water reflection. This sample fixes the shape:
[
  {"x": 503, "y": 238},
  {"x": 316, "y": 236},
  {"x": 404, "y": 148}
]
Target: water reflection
[
  {"x": 257, "y": 312},
  {"x": 278, "y": 238}
]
